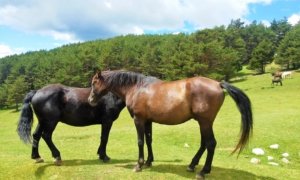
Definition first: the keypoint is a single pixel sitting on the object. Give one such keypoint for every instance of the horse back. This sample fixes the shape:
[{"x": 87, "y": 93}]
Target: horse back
[
  {"x": 70, "y": 105},
  {"x": 175, "y": 102},
  {"x": 79, "y": 112}
]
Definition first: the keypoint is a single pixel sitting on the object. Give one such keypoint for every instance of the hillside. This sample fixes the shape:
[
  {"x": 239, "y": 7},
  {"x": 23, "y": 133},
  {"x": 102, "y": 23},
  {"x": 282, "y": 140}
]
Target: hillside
[
  {"x": 218, "y": 53},
  {"x": 276, "y": 121}
]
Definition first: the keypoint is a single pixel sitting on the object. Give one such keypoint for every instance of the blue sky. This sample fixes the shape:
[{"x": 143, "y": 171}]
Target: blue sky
[{"x": 29, "y": 25}]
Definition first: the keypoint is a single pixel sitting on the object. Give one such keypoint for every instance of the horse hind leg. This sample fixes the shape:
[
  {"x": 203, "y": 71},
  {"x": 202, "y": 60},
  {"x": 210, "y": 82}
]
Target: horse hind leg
[
  {"x": 47, "y": 136},
  {"x": 196, "y": 158},
  {"x": 35, "y": 144},
  {"x": 209, "y": 143}
]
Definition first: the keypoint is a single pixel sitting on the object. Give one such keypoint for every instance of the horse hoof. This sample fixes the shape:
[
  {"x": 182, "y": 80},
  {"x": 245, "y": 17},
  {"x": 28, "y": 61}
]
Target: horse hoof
[
  {"x": 200, "y": 176},
  {"x": 104, "y": 159},
  {"x": 148, "y": 164},
  {"x": 137, "y": 169},
  {"x": 58, "y": 162},
  {"x": 39, "y": 160},
  {"x": 189, "y": 169}
]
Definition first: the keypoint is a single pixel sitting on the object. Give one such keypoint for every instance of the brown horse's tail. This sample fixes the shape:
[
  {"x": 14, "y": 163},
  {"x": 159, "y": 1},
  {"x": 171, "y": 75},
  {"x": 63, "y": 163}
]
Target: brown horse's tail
[
  {"x": 244, "y": 105},
  {"x": 26, "y": 119}
]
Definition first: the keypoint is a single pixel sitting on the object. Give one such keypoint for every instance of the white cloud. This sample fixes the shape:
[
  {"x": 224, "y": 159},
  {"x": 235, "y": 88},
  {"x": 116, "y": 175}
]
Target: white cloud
[
  {"x": 137, "y": 30},
  {"x": 6, "y": 50},
  {"x": 266, "y": 23},
  {"x": 91, "y": 19},
  {"x": 61, "y": 36},
  {"x": 294, "y": 19}
]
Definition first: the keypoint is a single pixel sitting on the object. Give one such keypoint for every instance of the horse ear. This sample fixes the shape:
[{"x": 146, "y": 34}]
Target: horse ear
[
  {"x": 95, "y": 70},
  {"x": 98, "y": 73}
]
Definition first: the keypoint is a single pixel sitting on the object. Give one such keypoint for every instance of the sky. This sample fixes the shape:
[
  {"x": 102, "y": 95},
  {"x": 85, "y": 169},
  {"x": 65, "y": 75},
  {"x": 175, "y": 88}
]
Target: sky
[{"x": 30, "y": 25}]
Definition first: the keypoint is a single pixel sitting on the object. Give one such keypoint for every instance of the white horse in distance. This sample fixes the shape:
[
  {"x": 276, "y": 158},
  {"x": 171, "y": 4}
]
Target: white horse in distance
[{"x": 286, "y": 74}]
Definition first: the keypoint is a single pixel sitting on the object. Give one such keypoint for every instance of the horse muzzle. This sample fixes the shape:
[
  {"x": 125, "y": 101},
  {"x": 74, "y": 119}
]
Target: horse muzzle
[{"x": 92, "y": 101}]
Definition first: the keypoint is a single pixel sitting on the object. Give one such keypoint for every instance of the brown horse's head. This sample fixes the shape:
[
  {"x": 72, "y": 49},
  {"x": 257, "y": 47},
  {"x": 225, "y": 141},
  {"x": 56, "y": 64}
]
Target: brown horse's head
[{"x": 98, "y": 89}]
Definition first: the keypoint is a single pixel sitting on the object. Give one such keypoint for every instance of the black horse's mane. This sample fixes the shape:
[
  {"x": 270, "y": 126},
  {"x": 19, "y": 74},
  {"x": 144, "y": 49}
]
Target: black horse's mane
[{"x": 121, "y": 78}]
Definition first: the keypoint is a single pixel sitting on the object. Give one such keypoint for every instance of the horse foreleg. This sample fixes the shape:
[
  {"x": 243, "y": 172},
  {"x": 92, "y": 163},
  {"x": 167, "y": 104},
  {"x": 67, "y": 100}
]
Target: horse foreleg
[
  {"x": 140, "y": 128},
  {"x": 148, "y": 134},
  {"x": 106, "y": 127},
  {"x": 35, "y": 144}
]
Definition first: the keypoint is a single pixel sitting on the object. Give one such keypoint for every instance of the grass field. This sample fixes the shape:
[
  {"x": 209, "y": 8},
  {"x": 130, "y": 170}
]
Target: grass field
[{"x": 276, "y": 121}]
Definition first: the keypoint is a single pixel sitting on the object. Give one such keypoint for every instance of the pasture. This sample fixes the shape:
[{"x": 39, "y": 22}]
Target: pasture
[{"x": 276, "y": 121}]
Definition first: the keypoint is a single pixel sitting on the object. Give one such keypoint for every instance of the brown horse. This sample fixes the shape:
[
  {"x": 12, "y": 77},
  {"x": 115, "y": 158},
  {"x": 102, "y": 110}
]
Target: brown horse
[
  {"x": 149, "y": 99},
  {"x": 277, "y": 74}
]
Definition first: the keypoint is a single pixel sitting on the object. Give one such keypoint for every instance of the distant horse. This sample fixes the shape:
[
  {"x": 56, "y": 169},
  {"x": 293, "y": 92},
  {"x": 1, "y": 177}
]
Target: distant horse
[
  {"x": 277, "y": 80},
  {"x": 277, "y": 74},
  {"x": 68, "y": 105},
  {"x": 286, "y": 74},
  {"x": 151, "y": 100}
]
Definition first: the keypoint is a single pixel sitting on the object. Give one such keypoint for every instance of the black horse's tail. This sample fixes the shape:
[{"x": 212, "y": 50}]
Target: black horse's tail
[
  {"x": 26, "y": 119},
  {"x": 244, "y": 105}
]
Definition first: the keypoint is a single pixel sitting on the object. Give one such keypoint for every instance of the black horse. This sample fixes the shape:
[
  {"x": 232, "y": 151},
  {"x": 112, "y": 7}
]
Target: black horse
[
  {"x": 276, "y": 80},
  {"x": 68, "y": 105}
]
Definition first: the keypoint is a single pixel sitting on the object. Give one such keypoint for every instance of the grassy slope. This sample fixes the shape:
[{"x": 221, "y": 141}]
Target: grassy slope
[{"x": 276, "y": 120}]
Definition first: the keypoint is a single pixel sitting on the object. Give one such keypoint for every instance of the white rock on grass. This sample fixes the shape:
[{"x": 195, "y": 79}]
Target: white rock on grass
[
  {"x": 285, "y": 154},
  {"x": 285, "y": 160},
  {"x": 273, "y": 163},
  {"x": 258, "y": 151},
  {"x": 186, "y": 145},
  {"x": 270, "y": 158},
  {"x": 255, "y": 160},
  {"x": 274, "y": 146}
]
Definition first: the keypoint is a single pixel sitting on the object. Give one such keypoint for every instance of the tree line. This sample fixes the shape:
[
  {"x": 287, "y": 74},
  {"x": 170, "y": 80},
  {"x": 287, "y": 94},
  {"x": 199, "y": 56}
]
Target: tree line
[{"x": 218, "y": 53}]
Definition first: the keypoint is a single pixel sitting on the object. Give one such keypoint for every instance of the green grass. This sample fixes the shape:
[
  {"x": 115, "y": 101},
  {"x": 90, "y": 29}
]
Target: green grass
[{"x": 276, "y": 120}]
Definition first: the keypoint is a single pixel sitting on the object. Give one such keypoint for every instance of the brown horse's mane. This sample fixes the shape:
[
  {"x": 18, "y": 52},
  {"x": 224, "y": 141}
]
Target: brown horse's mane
[{"x": 122, "y": 78}]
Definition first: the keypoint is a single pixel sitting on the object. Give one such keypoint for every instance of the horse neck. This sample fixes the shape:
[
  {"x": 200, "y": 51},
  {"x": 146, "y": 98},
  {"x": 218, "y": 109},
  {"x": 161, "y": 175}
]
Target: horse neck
[{"x": 122, "y": 92}]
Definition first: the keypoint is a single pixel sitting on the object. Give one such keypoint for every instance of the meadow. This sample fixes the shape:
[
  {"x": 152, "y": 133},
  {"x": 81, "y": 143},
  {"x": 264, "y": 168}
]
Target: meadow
[{"x": 276, "y": 111}]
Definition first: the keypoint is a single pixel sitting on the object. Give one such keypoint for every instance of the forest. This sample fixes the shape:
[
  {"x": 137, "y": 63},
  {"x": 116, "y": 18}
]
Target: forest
[{"x": 218, "y": 53}]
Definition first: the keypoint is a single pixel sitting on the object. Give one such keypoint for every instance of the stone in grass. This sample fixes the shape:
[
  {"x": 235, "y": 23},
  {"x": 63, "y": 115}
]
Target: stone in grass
[
  {"x": 258, "y": 151},
  {"x": 255, "y": 160},
  {"x": 270, "y": 158},
  {"x": 273, "y": 163},
  {"x": 285, "y": 160},
  {"x": 186, "y": 145},
  {"x": 274, "y": 146},
  {"x": 285, "y": 155}
]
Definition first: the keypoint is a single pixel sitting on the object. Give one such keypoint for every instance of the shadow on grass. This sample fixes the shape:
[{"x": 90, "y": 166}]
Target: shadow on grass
[
  {"x": 216, "y": 173},
  {"x": 164, "y": 167},
  {"x": 78, "y": 162}
]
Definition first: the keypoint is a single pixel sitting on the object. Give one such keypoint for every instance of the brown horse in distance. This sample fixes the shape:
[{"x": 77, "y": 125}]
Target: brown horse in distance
[
  {"x": 277, "y": 74},
  {"x": 149, "y": 99}
]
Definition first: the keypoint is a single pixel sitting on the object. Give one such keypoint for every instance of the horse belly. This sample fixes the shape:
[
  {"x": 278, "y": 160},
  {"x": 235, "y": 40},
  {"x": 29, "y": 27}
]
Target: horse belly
[
  {"x": 169, "y": 111},
  {"x": 79, "y": 115}
]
